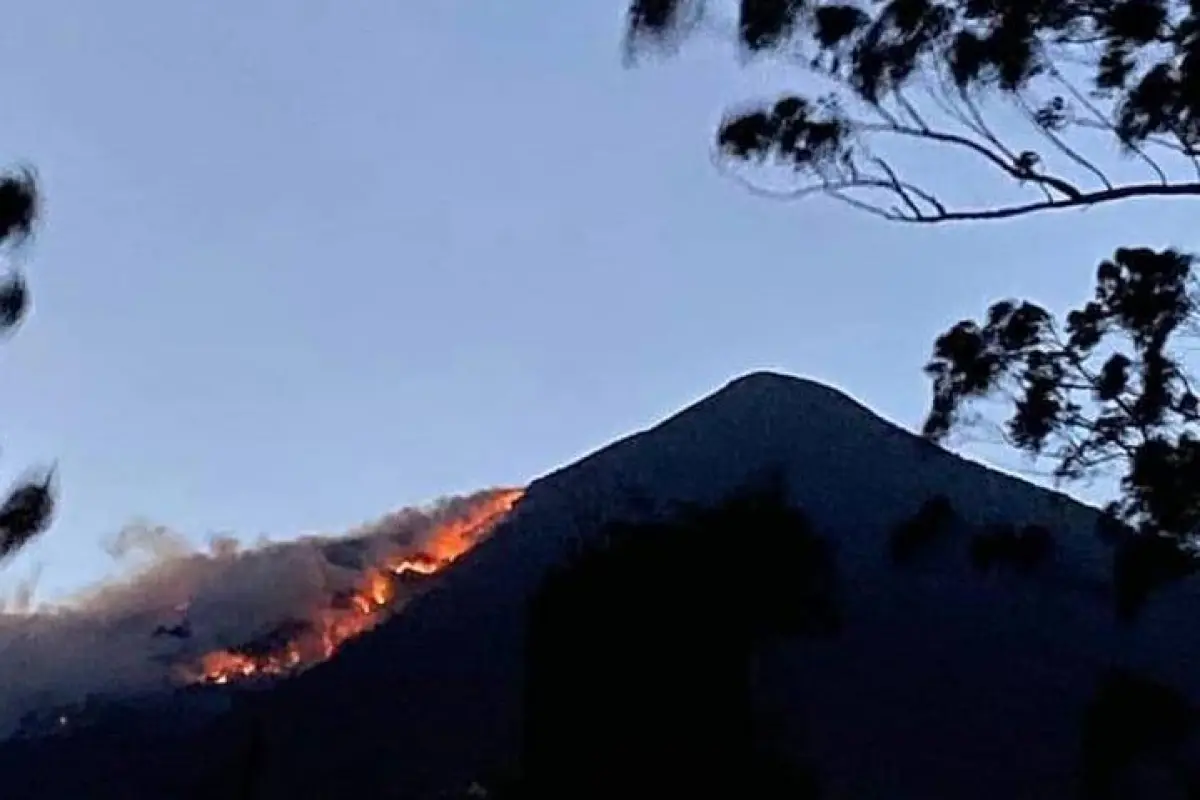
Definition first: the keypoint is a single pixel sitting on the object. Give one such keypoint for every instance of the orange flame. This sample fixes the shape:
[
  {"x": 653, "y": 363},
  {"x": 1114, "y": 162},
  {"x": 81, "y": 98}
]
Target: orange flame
[{"x": 370, "y": 603}]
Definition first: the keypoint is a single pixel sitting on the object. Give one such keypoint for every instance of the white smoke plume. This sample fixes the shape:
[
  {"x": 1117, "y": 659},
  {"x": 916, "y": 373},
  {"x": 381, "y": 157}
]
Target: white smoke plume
[{"x": 110, "y": 640}]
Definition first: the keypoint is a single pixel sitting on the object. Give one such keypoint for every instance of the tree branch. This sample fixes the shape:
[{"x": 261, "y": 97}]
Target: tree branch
[
  {"x": 1009, "y": 167},
  {"x": 1057, "y": 141},
  {"x": 1084, "y": 200}
]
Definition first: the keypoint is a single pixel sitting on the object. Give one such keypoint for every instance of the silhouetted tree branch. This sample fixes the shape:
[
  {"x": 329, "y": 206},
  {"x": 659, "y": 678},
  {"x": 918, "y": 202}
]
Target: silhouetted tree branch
[
  {"x": 27, "y": 510},
  {"x": 974, "y": 76},
  {"x": 1107, "y": 388}
]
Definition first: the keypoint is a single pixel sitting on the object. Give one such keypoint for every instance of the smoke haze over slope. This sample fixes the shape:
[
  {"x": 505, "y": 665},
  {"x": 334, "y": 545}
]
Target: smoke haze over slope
[{"x": 144, "y": 632}]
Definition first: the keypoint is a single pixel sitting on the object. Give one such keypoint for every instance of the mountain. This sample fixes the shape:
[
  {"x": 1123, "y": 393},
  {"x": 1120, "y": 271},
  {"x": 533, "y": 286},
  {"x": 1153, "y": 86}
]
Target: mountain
[{"x": 946, "y": 682}]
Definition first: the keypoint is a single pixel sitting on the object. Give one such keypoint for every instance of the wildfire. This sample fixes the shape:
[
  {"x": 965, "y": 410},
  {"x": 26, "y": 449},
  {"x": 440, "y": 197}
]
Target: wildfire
[{"x": 316, "y": 639}]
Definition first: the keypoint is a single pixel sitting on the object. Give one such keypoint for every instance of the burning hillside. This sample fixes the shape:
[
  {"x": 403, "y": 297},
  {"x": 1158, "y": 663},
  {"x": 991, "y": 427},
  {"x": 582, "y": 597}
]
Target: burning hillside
[
  {"x": 231, "y": 614},
  {"x": 300, "y": 643}
]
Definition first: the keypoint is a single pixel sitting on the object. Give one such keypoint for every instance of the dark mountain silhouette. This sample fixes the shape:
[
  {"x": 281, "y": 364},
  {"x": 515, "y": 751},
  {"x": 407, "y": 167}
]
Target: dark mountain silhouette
[{"x": 981, "y": 657}]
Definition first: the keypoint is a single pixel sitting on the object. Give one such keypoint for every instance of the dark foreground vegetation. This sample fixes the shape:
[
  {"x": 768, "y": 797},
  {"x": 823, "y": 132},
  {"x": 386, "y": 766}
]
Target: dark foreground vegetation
[{"x": 641, "y": 653}]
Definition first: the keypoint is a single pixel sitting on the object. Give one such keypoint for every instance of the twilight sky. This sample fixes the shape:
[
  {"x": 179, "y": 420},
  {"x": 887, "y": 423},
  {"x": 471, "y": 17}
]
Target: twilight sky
[{"x": 304, "y": 263}]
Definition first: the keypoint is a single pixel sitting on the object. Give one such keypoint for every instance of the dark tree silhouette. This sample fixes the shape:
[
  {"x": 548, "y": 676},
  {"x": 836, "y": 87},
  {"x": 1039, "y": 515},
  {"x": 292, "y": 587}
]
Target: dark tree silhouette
[
  {"x": 1134, "y": 719},
  {"x": 1036, "y": 92},
  {"x": 932, "y": 521},
  {"x": 27, "y": 510},
  {"x": 1105, "y": 388},
  {"x": 639, "y": 667},
  {"x": 1007, "y": 546}
]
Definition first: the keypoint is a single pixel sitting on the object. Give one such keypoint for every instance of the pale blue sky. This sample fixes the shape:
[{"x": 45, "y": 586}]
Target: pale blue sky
[{"x": 308, "y": 262}]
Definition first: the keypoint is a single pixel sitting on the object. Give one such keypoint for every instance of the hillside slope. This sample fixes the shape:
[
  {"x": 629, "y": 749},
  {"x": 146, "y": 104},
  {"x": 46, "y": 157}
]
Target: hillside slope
[
  {"x": 945, "y": 683},
  {"x": 942, "y": 676}
]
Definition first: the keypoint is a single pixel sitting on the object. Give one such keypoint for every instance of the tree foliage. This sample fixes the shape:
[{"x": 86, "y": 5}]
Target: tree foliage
[
  {"x": 27, "y": 510},
  {"x": 1104, "y": 388},
  {"x": 1132, "y": 719},
  {"x": 638, "y": 674},
  {"x": 1035, "y": 91}
]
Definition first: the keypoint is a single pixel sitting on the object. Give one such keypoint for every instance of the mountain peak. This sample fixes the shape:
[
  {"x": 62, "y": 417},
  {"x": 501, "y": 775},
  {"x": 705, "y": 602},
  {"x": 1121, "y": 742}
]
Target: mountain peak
[
  {"x": 766, "y": 380},
  {"x": 830, "y": 450},
  {"x": 770, "y": 393}
]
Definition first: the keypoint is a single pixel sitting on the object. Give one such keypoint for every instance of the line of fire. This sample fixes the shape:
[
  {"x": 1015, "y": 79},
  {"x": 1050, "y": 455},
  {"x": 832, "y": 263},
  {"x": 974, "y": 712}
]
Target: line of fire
[{"x": 301, "y": 643}]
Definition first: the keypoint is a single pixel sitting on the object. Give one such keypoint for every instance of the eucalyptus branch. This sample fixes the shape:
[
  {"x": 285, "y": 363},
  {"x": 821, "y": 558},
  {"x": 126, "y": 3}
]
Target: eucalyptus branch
[
  {"x": 1009, "y": 167},
  {"x": 891, "y": 57},
  {"x": 1058, "y": 143},
  {"x": 912, "y": 111},
  {"x": 1084, "y": 200},
  {"x": 838, "y": 187},
  {"x": 977, "y": 116}
]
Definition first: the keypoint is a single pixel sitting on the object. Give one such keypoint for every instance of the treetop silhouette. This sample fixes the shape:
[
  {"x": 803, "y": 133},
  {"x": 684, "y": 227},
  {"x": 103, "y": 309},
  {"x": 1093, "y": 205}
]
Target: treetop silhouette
[
  {"x": 1080, "y": 78},
  {"x": 1107, "y": 387}
]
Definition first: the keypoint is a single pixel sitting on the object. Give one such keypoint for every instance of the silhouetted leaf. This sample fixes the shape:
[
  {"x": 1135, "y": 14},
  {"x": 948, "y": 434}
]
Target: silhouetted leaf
[
  {"x": 766, "y": 23},
  {"x": 19, "y": 205},
  {"x": 14, "y": 301},
  {"x": 26, "y": 513}
]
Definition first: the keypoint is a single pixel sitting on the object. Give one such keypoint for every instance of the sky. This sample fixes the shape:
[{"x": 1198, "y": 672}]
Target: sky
[{"x": 305, "y": 263}]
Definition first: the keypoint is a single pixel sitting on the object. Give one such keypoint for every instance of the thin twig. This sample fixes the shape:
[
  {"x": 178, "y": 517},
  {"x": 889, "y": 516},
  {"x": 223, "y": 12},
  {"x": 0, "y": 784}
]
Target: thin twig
[
  {"x": 1062, "y": 146},
  {"x": 1008, "y": 167}
]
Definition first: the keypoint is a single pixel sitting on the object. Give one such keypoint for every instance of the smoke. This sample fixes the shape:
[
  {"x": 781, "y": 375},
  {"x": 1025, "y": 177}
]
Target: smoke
[
  {"x": 20, "y": 598},
  {"x": 133, "y": 635}
]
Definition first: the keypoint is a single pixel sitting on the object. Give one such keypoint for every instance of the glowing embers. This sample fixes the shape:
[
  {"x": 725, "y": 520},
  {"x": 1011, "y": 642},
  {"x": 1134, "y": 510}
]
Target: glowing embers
[{"x": 300, "y": 643}]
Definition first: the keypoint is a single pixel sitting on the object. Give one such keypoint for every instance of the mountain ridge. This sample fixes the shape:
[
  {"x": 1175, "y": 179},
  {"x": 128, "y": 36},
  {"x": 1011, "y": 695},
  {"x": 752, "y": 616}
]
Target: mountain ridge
[
  {"x": 941, "y": 673},
  {"x": 754, "y": 425}
]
